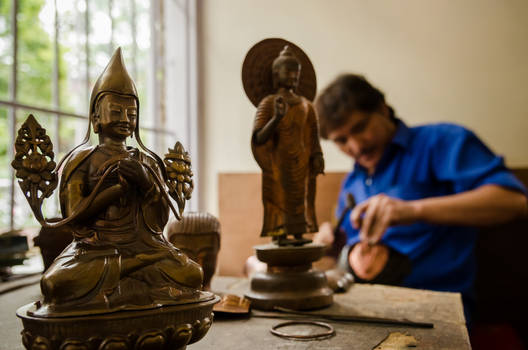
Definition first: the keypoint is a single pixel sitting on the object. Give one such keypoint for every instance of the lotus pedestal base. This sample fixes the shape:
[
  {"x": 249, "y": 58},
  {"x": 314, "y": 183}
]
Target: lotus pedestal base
[{"x": 169, "y": 327}]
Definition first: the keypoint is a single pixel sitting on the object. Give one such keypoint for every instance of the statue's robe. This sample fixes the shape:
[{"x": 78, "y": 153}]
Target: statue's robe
[
  {"x": 288, "y": 181},
  {"x": 93, "y": 274}
]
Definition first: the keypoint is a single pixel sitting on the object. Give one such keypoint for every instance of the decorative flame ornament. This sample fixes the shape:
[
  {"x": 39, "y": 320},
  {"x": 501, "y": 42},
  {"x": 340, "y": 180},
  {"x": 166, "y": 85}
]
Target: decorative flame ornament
[
  {"x": 34, "y": 164},
  {"x": 179, "y": 175}
]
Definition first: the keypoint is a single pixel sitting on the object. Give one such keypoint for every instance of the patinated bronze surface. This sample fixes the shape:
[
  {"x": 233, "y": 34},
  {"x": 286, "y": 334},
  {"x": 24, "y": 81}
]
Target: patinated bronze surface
[
  {"x": 198, "y": 236},
  {"x": 289, "y": 280},
  {"x": 52, "y": 241},
  {"x": 115, "y": 202},
  {"x": 279, "y": 79}
]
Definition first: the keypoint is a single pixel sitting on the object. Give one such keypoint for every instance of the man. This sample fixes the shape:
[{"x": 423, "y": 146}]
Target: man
[{"x": 421, "y": 191}]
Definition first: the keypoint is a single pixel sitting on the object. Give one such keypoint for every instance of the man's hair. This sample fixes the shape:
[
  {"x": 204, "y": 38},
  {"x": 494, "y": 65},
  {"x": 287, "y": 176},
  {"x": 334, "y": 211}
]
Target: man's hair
[{"x": 347, "y": 94}]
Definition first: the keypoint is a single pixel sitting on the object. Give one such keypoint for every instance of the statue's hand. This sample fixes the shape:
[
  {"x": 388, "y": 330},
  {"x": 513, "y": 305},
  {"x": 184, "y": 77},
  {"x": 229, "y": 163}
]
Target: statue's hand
[
  {"x": 281, "y": 107},
  {"x": 318, "y": 164},
  {"x": 134, "y": 172}
]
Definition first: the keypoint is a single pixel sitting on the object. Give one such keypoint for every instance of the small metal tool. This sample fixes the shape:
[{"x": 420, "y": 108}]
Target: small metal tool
[{"x": 354, "y": 318}]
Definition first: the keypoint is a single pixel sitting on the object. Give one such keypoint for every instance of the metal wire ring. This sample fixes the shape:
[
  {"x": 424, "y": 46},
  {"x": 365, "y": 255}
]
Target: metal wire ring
[{"x": 330, "y": 330}]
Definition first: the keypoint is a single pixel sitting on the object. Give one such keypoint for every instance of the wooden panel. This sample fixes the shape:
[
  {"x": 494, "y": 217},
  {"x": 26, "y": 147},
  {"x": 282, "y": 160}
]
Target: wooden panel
[{"x": 241, "y": 212}]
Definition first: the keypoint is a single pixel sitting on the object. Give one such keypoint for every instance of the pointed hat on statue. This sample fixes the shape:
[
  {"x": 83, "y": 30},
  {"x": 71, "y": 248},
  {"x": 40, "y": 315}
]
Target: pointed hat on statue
[{"x": 115, "y": 78}]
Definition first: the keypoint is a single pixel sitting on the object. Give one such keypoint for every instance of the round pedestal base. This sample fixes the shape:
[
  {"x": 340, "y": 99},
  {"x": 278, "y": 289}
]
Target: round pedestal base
[
  {"x": 169, "y": 327},
  {"x": 289, "y": 281},
  {"x": 292, "y": 290}
]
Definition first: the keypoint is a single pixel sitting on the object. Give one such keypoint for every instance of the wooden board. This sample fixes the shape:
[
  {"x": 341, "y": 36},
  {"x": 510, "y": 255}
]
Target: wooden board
[{"x": 241, "y": 212}]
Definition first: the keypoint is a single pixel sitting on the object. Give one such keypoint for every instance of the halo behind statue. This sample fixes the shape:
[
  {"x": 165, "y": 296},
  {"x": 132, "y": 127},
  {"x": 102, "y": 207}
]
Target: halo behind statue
[{"x": 256, "y": 70}]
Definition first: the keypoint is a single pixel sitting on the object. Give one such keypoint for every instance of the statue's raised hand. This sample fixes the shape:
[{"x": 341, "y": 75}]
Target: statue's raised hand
[{"x": 281, "y": 107}]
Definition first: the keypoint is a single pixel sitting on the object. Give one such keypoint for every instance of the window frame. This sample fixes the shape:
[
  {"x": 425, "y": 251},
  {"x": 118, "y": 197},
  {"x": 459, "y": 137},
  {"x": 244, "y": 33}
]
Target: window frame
[{"x": 188, "y": 119}]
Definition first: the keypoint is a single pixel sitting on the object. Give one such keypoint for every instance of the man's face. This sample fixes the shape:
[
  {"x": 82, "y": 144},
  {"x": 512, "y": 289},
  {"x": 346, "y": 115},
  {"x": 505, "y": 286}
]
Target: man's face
[
  {"x": 117, "y": 116},
  {"x": 364, "y": 137}
]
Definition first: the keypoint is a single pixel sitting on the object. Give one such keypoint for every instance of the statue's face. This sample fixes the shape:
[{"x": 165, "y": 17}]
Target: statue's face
[
  {"x": 117, "y": 116},
  {"x": 287, "y": 75}
]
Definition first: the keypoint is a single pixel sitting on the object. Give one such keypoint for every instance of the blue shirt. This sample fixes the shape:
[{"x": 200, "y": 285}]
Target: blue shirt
[{"x": 430, "y": 161}]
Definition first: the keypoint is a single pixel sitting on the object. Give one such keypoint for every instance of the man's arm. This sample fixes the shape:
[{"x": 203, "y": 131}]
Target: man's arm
[{"x": 485, "y": 205}]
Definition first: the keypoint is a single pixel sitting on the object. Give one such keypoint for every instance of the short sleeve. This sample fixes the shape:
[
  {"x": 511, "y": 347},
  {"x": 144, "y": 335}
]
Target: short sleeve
[{"x": 461, "y": 158}]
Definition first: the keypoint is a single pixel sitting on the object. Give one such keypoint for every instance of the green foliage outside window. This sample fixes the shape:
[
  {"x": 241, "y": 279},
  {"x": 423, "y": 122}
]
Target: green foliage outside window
[
  {"x": 36, "y": 54},
  {"x": 35, "y": 73}
]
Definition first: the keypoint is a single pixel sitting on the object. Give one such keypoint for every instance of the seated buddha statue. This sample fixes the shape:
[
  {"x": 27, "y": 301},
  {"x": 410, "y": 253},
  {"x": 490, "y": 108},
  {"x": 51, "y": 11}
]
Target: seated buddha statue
[{"x": 116, "y": 197}]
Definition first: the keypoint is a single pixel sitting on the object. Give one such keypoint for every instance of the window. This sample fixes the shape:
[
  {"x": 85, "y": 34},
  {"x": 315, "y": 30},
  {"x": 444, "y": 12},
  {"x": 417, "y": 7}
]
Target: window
[{"x": 51, "y": 55}]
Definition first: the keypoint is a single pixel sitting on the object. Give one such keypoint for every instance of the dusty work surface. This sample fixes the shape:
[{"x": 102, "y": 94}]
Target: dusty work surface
[{"x": 442, "y": 309}]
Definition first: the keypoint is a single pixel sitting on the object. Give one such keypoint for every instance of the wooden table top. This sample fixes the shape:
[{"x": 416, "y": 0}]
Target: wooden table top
[{"x": 442, "y": 309}]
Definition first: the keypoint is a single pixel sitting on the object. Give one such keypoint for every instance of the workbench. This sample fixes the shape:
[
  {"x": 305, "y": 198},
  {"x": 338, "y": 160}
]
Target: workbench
[{"x": 442, "y": 309}]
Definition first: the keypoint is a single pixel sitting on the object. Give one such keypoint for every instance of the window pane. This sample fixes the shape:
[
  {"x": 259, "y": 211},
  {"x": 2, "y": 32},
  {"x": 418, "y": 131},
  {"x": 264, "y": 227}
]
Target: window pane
[
  {"x": 146, "y": 137},
  {"x": 108, "y": 29},
  {"x": 72, "y": 39},
  {"x": 122, "y": 14},
  {"x": 72, "y": 132},
  {"x": 159, "y": 143},
  {"x": 142, "y": 59},
  {"x": 101, "y": 48},
  {"x": 6, "y": 52},
  {"x": 35, "y": 55},
  {"x": 4, "y": 205},
  {"x": 99, "y": 37},
  {"x": 5, "y": 169},
  {"x": 4, "y": 147}
]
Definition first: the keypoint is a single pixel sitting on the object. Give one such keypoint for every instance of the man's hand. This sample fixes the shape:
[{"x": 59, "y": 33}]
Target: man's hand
[
  {"x": 374, "y": 216},
  {"x": 325, "y": 235}
]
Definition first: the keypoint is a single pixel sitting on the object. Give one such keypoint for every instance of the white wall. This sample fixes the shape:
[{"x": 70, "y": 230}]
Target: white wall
[{"x": 436, "y": 60}]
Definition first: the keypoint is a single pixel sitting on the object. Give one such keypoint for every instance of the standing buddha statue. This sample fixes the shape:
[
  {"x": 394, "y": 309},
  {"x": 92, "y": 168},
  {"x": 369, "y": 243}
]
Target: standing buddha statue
[{"x": 285, "y": 144}]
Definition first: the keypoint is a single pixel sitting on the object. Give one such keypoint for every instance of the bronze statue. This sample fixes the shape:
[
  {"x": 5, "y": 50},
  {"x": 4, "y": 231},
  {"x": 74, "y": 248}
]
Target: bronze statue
[
  {"x": 280, "y": 80},
  {"x": 198, "y": 236},
  {"x": 115, "y": 201},
  {"x": 285, "y": 138}
]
